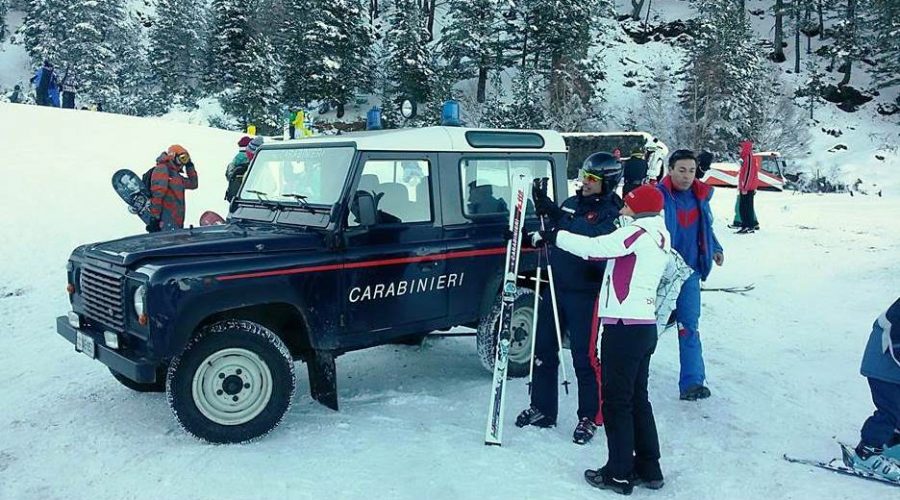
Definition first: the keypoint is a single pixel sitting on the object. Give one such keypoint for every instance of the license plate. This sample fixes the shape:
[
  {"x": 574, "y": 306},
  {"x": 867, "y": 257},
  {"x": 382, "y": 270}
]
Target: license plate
[{"x": 85, "y": 344}]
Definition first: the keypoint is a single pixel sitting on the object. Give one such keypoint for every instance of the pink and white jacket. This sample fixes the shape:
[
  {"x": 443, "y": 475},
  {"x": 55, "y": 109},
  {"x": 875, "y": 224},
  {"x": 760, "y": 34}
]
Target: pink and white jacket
[{"x": 637, "y": 256}]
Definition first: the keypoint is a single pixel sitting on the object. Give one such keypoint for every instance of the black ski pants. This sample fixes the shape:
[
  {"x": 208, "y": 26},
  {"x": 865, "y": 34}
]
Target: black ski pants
[
  {"x": 748, "y": 214},
  {"x": 578, "y": 317},
  {"x": 631, "y": 437}
]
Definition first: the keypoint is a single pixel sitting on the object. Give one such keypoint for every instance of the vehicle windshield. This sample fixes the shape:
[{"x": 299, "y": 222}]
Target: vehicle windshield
[
  {"x": 298, "y": 177},
  {"x": 771, "y": 164}
]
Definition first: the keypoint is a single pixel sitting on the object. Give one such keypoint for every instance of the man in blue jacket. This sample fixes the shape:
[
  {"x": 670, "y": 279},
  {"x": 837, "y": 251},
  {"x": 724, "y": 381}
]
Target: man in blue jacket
[
  {"x": 689, "y": 221},
  {"x": 591, "y": 212},
  {"x": 881, "y": 366}
]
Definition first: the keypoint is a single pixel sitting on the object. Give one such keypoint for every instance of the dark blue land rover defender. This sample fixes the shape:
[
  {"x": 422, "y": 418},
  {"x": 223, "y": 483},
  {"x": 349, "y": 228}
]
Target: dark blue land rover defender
[{"x": 334, "y": 244}]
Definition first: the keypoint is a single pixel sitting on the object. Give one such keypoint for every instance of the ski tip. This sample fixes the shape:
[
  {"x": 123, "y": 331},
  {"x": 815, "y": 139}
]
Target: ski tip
[{"x": 491, "y": 443}]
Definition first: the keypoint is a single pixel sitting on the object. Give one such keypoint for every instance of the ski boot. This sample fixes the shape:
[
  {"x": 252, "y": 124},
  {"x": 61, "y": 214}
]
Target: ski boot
[
  {"x": 598, "y": 479},
  {"x": 871, "y": 460},
  {"x": 584, "y": 431},
  {"x": 696, "y": 392},
  {"x": 533, "y": 416}
]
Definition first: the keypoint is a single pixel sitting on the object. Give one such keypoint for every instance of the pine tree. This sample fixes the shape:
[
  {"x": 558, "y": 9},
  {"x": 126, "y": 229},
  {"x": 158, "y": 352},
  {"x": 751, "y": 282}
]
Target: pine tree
[
  {"x": 176, "y": 47},
  {"x": 141, "y": 94},
  {"x": 526, "y": 107},
  {"x": 849, "y": 33},
  {"x": 474, "y": 42},
  {"x": 299, "y": 48},
  {"x": 886, "y": 27},
  {"x": 231, "y": 35},
  {"x": 93, "y": 48},
  {"x": 409, "y": 61},
  {"x": 44, "y": 29},
  {"x": 723, "y": 95},
  {"x": 811, "y": 91}
]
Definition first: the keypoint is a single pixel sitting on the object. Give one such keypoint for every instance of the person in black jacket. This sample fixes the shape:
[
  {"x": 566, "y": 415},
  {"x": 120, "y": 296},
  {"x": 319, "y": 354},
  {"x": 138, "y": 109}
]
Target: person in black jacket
[
  {"x": 591, "y": 212},
  {"x": 635, "y": 171}
]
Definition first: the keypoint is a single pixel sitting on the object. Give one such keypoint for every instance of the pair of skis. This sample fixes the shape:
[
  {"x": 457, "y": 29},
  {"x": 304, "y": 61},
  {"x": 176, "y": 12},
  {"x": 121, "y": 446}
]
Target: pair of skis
[
  {"x": 494, "y": 432},
  {"x": 839, "y": 466}
]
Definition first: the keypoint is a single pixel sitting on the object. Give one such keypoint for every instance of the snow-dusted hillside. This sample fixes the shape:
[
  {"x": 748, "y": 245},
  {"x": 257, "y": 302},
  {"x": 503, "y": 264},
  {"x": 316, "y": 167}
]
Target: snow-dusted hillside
[{"x": 782, "y": 360}]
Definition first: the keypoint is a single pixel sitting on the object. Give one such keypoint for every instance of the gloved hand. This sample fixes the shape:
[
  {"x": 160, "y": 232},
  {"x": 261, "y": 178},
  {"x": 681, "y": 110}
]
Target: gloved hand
[
  {"x": 538, "y": 239},
  {"x": 189, "y": 165},
  {"x": 543, "y": 205},
  {"x": 153, "y": 225}
]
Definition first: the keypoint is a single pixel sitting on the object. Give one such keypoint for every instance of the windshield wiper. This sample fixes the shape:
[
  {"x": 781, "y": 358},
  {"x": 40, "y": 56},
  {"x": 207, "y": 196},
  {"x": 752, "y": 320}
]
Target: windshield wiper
[
  {"x": 301, "y": 199},
  {"x": 264, "y": 197}
]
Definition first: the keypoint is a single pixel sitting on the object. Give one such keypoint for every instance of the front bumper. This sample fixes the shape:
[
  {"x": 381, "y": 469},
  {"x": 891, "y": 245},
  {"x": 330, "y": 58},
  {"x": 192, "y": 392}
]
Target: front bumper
[{"x": 139, "y": 370}]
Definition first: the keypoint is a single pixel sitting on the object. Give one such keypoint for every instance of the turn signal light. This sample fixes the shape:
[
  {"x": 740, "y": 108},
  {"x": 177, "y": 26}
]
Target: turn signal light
[
  {"x": 142, "y": 320},
  {"x": 70, "y": 288}
]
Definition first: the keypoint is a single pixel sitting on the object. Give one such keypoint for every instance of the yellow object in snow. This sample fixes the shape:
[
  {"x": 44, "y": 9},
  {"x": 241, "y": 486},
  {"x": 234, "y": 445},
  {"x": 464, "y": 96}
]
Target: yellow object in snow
[
  {"x": 251, "y": 130},
  {"x": 299, "y": 124}
]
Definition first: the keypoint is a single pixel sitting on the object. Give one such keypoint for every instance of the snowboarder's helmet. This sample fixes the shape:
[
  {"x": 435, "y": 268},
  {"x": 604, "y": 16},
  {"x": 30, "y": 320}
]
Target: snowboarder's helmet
[
  {"x": 179, "y": 154},
  {"x": 602, "y": 167}
]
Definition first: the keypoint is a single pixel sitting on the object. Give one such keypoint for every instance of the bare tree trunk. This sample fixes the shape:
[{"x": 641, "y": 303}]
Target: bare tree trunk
[
  {"x": 808, "y": 38},
  {"x": 796, "y": 38},
  {"x": 821, "y": 21},
  {"x": 636, "y": 7},
  {"x": 482, "y": 82},
  {"x": 779, "y": 31},
  {"x": 430, "y": 6},
  {"x": 848, "y": 60},
  {"x": 524, "y": 47},
  {"x": 373, "y": 9}
]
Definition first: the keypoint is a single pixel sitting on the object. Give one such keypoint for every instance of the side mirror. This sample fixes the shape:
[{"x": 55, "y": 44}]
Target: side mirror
[{"x": 363, "y": 208}]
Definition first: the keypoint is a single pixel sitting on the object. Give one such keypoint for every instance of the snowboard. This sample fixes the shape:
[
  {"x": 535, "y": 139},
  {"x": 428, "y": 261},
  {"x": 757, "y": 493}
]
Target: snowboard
[
  {"x": 210, "y": 218},
  {"x": 730, "y": 289},
  {"x": 131, "y": 189}
]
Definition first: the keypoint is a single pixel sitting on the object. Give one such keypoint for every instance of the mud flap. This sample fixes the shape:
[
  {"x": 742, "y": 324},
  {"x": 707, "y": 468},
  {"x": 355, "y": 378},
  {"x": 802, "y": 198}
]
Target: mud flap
[{"x": 323, "y": 378}]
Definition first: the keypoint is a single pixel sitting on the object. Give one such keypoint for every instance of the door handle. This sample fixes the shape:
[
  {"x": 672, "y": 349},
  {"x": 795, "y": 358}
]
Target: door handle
[{"x": 428, "y": 266}]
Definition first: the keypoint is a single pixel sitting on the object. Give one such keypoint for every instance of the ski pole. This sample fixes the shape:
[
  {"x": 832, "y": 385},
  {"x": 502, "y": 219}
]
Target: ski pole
[
  {"x": 534, "y": 321},
  {"x": 562, "y": 362}
]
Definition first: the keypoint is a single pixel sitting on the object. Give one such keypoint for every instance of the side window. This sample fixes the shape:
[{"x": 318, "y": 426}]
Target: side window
[
  {"x": 402, "y": 190},
  {"x": 486, "y": 183}
]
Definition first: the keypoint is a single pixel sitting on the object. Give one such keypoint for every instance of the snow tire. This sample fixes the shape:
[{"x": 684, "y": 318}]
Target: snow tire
[{"x": 520, "y": 348}]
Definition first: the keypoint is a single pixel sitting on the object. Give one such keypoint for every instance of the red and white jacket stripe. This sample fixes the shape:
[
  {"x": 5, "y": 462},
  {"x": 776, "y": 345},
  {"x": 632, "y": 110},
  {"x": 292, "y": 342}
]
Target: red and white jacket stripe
[{"x": 637, "y": 256}]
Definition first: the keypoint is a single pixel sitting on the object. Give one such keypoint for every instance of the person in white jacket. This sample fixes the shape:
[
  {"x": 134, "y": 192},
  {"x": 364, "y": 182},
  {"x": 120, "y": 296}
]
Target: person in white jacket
[{"x": 637, "y": 255}]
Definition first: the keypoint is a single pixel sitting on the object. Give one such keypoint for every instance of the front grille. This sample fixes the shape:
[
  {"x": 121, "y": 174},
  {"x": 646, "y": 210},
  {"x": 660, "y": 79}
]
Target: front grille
[{"x": 102, "y": 294}]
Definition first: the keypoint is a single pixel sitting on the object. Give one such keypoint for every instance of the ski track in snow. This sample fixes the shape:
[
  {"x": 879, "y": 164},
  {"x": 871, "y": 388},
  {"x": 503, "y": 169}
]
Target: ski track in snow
[{"x": 782, "y": 361}]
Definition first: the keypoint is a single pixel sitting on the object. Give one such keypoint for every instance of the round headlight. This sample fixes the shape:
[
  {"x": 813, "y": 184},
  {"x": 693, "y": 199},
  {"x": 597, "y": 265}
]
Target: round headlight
[{"x": 140, "y": 299}]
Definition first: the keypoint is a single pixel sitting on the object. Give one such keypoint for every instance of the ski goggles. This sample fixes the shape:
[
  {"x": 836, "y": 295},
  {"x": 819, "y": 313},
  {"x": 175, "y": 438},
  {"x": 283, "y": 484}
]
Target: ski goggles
[
  {"x": 183, "y": 158},
  {"x": 589, "y": 177}
]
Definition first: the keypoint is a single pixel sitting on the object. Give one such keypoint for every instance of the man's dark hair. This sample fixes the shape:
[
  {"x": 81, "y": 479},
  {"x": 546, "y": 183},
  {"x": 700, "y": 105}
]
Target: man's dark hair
[{"x": 681, "y": 154}]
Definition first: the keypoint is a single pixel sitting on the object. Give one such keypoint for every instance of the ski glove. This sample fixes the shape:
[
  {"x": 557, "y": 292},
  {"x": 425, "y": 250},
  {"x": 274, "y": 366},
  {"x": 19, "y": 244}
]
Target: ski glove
[
  {"x": 543, "y": 205},
  {"x": 539, "y": 239},
  {"x": 153, "y": 226}
]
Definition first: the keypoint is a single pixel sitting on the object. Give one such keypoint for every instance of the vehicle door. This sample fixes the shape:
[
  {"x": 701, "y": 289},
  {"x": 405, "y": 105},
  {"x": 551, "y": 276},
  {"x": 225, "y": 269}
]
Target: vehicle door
[{"x": 394, "y": 277}]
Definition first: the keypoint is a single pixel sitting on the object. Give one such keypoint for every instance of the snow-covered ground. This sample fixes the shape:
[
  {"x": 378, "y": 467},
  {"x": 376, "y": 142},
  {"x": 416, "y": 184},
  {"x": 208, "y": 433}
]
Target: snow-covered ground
[{"x": 782, "y": 360}]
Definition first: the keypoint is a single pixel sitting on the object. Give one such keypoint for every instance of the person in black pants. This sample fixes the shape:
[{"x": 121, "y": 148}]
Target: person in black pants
[
  {"x": 591, "y": 212},
  {"x": 638, "y": 255}
]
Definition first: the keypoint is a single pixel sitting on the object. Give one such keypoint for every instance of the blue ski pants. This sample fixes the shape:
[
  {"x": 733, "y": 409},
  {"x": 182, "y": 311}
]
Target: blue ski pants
[
  {"x": 687, "y": 313},
  {"x": 878, "y": 430}
]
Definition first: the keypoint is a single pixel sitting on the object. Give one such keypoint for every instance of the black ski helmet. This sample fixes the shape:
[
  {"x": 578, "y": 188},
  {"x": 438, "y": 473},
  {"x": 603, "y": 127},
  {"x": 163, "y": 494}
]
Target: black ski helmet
[{"x": 606, "y": 167}]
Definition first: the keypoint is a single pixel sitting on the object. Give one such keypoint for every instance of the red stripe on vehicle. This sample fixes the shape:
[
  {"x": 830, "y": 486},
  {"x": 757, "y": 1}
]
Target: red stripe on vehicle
[{"x": 368, "y": 263}]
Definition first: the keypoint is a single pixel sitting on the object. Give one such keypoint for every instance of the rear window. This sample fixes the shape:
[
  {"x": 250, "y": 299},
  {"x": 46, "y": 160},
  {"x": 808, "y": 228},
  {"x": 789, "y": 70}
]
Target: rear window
[
  {"x": 526, "y": 140},
  {"x": 486, "y": 183}
]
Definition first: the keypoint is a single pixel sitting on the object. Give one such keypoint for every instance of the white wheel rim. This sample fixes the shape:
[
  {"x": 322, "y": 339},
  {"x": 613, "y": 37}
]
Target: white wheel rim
[
  {"x": 520, "y": 343},
  {"x": 232, "y": 386}
]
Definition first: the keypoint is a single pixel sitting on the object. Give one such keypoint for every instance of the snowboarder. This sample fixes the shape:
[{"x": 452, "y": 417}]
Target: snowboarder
[
  {"x": 881, "y": 366},
  {"x": 638, "y": 255},
  {"x": 591, "y": 212},
  {"x": 235, "y": 171},
  {"x": 635, "y": 168},
  {"x": 45, "y": 85},
  {"x": 689, "y": 221},
  {"x": 167, "y": 186},
  {"x": 69, "y": 87},
  {"x": 748, "y": 180}
]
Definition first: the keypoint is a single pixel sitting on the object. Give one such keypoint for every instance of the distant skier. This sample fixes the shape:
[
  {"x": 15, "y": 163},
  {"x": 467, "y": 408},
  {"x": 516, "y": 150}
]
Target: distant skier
[
  {"x": 69, "y": 87},
  {"x": 638, "y": 255},
  {"x": 748, "y": 180},
  {"x": 635, "y": 168},
  {"x": 234, "y": 172},
  {"x": 689, "y": 220},
  {"x": 881, "y": 366},
  {"x": 167, "y": 186},
  {"x": 46, "y": 89},
  {"x": 591, "y": 212}
]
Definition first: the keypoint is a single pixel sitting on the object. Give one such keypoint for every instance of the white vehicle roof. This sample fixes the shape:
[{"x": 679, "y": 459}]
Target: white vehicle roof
[
  {"x": 776, "y": 154},
  {"x": 429, "y": 139}
]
